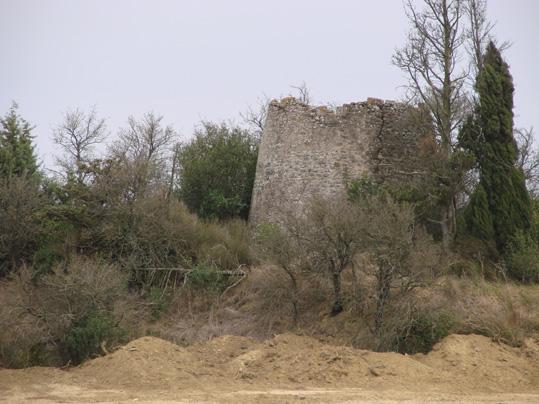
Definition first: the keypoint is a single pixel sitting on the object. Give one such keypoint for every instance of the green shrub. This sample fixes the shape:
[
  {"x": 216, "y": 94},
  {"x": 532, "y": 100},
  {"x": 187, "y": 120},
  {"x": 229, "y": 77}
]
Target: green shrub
[
  {"x": 423, "y": 331},
  {"x": 208, "y": 278},
  {"x": 86, "y": 335},
  {"x": 523, "y": 259},
  {"x": 159, "y": 300}
]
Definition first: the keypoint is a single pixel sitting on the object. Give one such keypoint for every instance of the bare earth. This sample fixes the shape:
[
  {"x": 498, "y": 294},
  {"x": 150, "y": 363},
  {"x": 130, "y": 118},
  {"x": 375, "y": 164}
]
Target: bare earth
[{"x": 287, "y": 368}]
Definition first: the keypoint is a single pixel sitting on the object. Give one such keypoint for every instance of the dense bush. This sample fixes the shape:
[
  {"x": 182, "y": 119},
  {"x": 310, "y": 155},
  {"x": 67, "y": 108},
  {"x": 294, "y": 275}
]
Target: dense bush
[
  {"x": 86, "y": 335},
  {"x": 423, "y": 330},
  {"x": 217, "y": 171}
]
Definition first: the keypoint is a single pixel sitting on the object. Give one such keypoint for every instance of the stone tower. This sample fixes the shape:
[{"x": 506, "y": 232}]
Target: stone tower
[{"x": 308, "y": 152}]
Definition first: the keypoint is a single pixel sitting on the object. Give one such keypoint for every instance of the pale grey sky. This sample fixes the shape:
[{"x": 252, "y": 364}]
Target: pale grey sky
[{"x": 210, "y": 59}]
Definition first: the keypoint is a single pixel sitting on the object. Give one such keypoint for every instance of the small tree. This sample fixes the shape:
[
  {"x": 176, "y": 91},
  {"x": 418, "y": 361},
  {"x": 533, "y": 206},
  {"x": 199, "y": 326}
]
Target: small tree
[
  {"x": 330, "y": 235},
  {"x": 217, "y": 171},
  {"x": 387, "y": 231}
]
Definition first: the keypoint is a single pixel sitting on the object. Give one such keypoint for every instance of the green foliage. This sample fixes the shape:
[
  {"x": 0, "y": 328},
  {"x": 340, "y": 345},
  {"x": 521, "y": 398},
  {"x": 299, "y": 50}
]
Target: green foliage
[
  {"x": 208, "y": 278},
  {"x": 478, "y": 216},
  {"x": 490, "y": 138},
  {"x": 522, "y": 258},
  {"x": 363, "y": 187},
  {"x": 86, "y": 335},
  {"x": 17, "y": 157},
  {"x": 423, "y": 331},
  {"x": 158, "y": 299},
  {"x": 20, "y": 226},
  {"x": 215, "y": 205},
  {"x": 217, "y": 170}
]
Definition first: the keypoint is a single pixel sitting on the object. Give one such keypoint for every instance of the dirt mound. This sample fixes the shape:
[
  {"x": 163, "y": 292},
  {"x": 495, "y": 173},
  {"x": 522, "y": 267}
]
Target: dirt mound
[
  {"x": 466, "y": 362},
  {"x": 458, "y": 366},
  {"x": 146, "y": 361},
  {"x": 477, "y": 360},
  {"x": 290, "y": 359}
]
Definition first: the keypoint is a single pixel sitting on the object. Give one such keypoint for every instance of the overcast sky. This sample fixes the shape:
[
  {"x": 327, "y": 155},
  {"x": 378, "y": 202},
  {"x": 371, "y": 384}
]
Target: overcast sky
[{"x": 210, "y": 59}]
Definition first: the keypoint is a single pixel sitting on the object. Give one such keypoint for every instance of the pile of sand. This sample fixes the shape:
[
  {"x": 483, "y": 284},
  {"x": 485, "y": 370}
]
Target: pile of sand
[
  {"x": 469, "y": 363},
  {"x": 144, "y": 362},
  {"x": 458, "y": 365}
]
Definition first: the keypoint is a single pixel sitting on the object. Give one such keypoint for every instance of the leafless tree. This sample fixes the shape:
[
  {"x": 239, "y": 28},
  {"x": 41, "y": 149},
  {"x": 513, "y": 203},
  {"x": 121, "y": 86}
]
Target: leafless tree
[
  {"x": 432, "y": 59},
  {"x": 146, "y": 139},
  {"x": 78, "y": 135},
  {"x": 255, "y": 117},
  {"x": 479, "y": 33},
  {"x": 528, "y": 158},
  {"x": 144, "y": 148},
  {"x": 302, "y": 92}
]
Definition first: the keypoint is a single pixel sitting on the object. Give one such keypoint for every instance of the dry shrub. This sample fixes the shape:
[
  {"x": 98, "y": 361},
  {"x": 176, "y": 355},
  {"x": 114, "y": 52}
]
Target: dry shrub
[
  {"x": 223, "y": 245},
  {"x": 266, "y": 295},
  {"x": 504, "y": 312},
  {"x": 155, "y": 232},
  {"x": 68, "y": 315}
]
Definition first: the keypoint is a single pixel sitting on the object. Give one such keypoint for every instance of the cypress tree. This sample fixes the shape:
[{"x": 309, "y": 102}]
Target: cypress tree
[
  {"x": 478, "y": 216},
  {"x": 501, "y": 181}
]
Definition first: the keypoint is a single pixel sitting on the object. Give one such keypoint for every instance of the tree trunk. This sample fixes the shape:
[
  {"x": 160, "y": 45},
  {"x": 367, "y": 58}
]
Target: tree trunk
[
  {"x": 337, "y": 298},
  {"x": 294, "y": 297},
  {"x": 448, "y": 225},
  {"x": 383, "y": 289}
]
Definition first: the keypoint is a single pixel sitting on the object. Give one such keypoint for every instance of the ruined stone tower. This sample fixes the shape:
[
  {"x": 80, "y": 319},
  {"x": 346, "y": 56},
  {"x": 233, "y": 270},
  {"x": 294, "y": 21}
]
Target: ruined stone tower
[{"x": 308, "y": 152}]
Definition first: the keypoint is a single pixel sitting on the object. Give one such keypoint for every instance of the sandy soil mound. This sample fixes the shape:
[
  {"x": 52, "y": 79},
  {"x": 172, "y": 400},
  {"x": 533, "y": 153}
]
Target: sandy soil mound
[
  {"x": 290, "y": 359},
  {"x": 459, "y": 366},
  {"x": 477, "y": 360},
  {"x": 144, "y": 362}
]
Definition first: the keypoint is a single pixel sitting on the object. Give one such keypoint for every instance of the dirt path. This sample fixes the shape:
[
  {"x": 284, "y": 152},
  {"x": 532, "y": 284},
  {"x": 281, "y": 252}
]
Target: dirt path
[{"x": 288, "y": 368}]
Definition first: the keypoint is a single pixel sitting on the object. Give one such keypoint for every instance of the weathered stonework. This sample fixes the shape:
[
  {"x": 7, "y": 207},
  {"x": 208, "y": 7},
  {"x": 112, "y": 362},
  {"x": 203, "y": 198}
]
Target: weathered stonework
[{"x": 308, "y": 152}]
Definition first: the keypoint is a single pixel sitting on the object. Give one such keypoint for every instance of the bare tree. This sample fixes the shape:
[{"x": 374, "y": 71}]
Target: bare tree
[
  {"x": 528, "y": 158},
  {"x": 144, "y": 149},
  {"x": 303, "y": 93},
  {"x": 431, "y": 60},
  {"x": 146, "y": 139},
  {"x": 479, "y": 33},
  {"x": 255, "y": 117},
  {"x": 78, "y": 135}
]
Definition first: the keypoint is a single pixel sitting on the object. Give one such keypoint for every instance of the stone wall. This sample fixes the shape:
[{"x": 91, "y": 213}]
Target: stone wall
[{"x": 308, "y": 152}]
